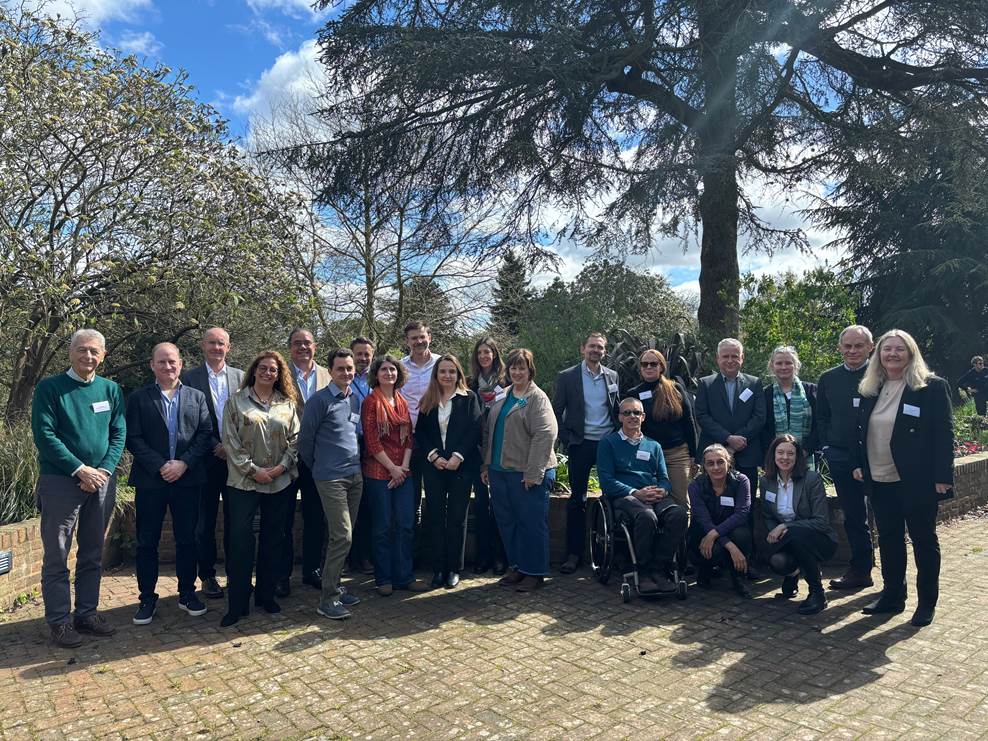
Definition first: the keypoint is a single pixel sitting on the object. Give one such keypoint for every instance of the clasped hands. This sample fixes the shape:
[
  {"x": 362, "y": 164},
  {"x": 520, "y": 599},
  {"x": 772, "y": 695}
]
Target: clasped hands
[
  {"x": 447, "y": 464},
  {"x": 650, "y": 494},
  {"x": 267, "y": 475},
  {"x": 91, "y": 479},
  {"x": 736, "y": 443},
  {"x": 398, "y": 475},
  {"x": 738, "y": 560}
]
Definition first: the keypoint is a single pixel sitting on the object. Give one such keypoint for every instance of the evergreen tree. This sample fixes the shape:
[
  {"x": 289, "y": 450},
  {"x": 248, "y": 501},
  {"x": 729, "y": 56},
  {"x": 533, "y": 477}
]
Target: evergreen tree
[{"x": 513, "y": 293}]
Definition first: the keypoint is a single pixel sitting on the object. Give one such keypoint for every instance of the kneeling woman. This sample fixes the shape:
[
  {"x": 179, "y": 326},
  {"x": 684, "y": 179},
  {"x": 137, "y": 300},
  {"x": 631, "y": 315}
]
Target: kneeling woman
[
  {"x": 520, "y": 468},
  {"x": 720, "y": 500},
  {"x": 794, "y": 504}
]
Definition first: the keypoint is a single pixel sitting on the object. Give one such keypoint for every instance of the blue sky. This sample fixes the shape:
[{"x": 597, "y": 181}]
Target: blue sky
[{"x": 242, "y": 55}]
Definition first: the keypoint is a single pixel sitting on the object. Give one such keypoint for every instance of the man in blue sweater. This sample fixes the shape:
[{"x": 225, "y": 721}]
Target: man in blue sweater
[{"x": 632, "y": 473}]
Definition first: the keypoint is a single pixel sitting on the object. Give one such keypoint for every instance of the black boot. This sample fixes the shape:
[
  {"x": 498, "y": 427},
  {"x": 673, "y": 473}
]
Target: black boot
[
  {"x": 704, "y": 572},
  {"x": 739, "y": 586},
  {"x": 790, "y": 586},
  {"x": 813, "y": 604}
]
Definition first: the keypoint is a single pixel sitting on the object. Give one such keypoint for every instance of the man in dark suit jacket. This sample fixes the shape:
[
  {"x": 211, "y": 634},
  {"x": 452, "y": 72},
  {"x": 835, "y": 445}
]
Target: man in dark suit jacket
[
  {"x": 218, "y": 382},
  {"x": 585, "y": 400},
  {"x": 730, "y": 408},
  {"x": 169, "y": 434}
]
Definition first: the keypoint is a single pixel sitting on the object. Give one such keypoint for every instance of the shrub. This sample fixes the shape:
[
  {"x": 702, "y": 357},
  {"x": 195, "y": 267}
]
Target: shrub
[{"x": 18, "y": 472}]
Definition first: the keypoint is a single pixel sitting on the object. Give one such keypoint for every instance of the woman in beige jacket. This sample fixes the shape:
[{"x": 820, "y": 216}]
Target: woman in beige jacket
[{"x": 519, "y": 465}]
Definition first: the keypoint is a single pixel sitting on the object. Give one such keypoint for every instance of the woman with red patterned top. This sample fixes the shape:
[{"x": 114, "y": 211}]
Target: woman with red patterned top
[{"x": 387, "y": 429}]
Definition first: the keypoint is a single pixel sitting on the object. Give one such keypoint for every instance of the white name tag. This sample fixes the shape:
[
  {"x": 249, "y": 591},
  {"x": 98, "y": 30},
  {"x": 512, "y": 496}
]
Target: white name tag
[
  {"x": 498, "y": 391},
  {"x": 104, "y": 406},
  {"x": 500, "y": 395},
  {"x": 643, "y": 455},
  {"x": 744, "y": 395},
  {"x": 727, "y": 501},
  {"x": 612, "y": 388},
  {"x": 770, "y": 496},
  {"x": 645, "y": 395},
  {"x": 355, "y": 418},
  {"x": 911, "y": 410},
  {"x": 856, "y": 402}
]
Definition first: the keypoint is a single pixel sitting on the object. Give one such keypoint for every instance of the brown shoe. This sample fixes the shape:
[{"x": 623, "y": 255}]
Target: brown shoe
[
  {"x": 416, "y": 586},
  {"x": 94, "y": 624},
  {"x": 529, "y": 584},
  {"x": 511, "y": 578},
  {"x": 65, "y": 635},
  {"x": 852, "y": 580},
  {"x": 385, "y": 590}
]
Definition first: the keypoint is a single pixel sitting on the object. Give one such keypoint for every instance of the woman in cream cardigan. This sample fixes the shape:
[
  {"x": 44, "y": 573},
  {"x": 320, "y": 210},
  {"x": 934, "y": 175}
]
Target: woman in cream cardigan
[{"x": 519, "y": 465}]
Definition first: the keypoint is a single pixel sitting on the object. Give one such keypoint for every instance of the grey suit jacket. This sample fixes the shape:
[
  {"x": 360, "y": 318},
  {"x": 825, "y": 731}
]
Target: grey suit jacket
[
  {"x": 198, "y": 378},
  {"x": 809, "y": 502},
  {"x": 717, "y": 420},
  {"x": 322, "y": 381},
  {"x": 568, "y": 405}
]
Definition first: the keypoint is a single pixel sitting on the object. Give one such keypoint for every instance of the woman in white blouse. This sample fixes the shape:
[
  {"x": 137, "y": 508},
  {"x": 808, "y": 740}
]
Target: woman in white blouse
[
  {"x": 448, "y": 431},
  {"x": 794, "y": 505}
]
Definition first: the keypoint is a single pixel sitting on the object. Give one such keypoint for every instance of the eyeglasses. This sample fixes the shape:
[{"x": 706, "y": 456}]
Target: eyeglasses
[
  {"x": 649, "y": 364},
  {"x": 267, "y": 371},
  {"x": 632, "y": 413}
]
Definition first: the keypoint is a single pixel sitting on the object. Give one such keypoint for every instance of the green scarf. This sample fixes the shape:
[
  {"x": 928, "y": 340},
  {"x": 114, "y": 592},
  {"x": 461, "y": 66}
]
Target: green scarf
[{"x": 800, "y": 419}]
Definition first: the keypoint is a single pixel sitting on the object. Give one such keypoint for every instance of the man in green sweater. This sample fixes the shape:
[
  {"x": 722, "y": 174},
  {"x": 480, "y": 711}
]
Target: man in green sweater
[
  {"x": 79, "y": 429},
  {"x": 632, "y": 471}
]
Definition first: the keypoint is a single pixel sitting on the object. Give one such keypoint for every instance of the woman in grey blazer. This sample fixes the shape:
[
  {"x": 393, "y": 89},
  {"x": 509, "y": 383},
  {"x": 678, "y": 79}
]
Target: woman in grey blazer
[{"x": 794, "y": 504}]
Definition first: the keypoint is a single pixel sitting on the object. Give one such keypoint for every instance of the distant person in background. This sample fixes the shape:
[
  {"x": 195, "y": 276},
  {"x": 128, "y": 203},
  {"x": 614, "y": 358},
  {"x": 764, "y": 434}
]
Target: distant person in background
[
  {"x": 975, "y": 383},
  {"x": 906, "y": 461},
  {"x": 486, "y": 380},
  {"x": 79, "y": 426},
  {"x": 790, "y": 403},
  {"x": 669, "y": 420}
]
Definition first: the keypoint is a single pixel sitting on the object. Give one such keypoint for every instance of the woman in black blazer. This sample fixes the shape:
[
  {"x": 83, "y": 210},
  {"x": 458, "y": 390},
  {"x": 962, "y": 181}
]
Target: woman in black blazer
[
  {"x": 906, "y": 460},
  {"x": 448, "y": 429},
  {"x": 790, "y": 403}
]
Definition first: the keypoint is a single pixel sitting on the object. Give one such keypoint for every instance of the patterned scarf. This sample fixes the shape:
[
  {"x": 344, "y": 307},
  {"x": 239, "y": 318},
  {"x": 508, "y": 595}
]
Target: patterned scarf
[
  {"x": 485, "y": 390},
  {"x": 389, "y": 416},
  {"x": 800, "y": 418}
]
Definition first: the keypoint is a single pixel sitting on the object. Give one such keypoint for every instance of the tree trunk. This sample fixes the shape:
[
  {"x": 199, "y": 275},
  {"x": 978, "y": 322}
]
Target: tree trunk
[
  {"x": 30, "y": 362},
  {"x": 720, "y": 275}
]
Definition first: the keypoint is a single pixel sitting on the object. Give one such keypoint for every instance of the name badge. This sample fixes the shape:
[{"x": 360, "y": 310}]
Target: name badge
[
  {"x": 104, "y": 406},
  {"x": 612, "y": 388},
  {"x": 500, "y": 395},
  {"x": 727, "y": 501},
  {"x": 856, "y": 402},
  {"x": 498, "y": 391},
  {"x": 912, "y": 411},
  {"x": 744, "y": 395},
  {"x": 770, "y": 496},
  {"x": 355, "y": 418},
  {"x": 643, "y": 455},
  {"x": 645, "y": 395}
]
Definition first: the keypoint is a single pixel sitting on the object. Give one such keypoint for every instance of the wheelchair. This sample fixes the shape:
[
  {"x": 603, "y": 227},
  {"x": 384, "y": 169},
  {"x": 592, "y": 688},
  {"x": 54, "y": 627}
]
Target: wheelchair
[{"x": 612, "y": 550}]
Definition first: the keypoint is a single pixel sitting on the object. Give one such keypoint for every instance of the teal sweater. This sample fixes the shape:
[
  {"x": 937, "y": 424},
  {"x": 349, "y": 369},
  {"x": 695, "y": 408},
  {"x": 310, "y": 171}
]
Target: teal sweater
[
  {"x": 621, "y": 470},
  {"x": 76, "y": 424}
]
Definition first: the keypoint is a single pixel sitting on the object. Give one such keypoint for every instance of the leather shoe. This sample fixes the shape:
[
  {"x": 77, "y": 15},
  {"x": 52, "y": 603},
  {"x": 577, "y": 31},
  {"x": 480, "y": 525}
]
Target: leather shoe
[
  {"x": 211, "y": 588},
  {"x": 790, "y": 587},
  {"x": 438, "y": 580},
  {"x": 529, "y": 584},
  {"x": 511, "y": 578},
  {"x": 740, "y": 588},
  {"x": 481, "y": 567},
  {"x": 753, "y": 574},
  {"x": 269, "y": 606},
  {"x": 813, "y": 604},
  {"x": 570, "y": 565},
  {"x": 282, "y": 588},
  {"x": 923, "y": 616},
  {"x": 313, "y": 579},
  {"x": 385, "y": 590},
  {"x": 452, "y": 579},
  {"x": 884, "y": 606},
  {"x": 852, "y": 580},
  {"x": 229, "y": 619}
]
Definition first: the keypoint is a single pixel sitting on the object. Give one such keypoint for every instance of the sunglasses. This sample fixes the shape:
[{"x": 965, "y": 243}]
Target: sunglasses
[
  {"x": 649, "y": 364},
  {"x": 632, "y": 413}
]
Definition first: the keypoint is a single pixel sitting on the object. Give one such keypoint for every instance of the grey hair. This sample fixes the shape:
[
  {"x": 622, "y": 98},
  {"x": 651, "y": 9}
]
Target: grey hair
[
  {"x": 861, "y": 329},
  {"x": 87, "y": 334},
  {"x": 788, "y": 349},
  {"x": 730, "y": 341}
]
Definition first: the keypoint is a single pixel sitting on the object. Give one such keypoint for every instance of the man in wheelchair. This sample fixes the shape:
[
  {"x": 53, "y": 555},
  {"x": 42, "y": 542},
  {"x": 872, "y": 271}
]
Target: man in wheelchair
[{"x": 632, "y": 472}]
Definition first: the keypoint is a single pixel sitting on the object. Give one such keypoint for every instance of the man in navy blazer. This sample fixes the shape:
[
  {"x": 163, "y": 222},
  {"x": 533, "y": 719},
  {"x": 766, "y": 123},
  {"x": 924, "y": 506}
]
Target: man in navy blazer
[
  {"x": 169, "y": 434},
  {"x": 218, "y": 381},
  {"x": 585, "y": 400}
]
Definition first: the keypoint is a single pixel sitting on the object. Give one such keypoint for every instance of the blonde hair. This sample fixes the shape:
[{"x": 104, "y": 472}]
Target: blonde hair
[{"x": 916, "y": 373}]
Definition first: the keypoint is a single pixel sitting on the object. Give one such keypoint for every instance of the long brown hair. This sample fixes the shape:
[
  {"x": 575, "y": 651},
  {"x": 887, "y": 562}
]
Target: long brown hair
[
  {"x": 284, "y": 383},
  {"x": 497, "y": 364},
  {"x": 667, "y": 404},
  {"x": 430, "y": 399}
]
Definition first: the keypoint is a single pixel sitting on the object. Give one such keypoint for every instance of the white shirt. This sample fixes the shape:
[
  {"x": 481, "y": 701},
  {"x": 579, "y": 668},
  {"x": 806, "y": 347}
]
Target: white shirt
[
  {"x": 416, "y": 383},
  {"x": 627, "y": 439},
  {"x": 306, "y": 386},
  {"x": 783, "y": 502},
  {"x": 219, "y": 389},
  {"x": 443, "y": 411}
]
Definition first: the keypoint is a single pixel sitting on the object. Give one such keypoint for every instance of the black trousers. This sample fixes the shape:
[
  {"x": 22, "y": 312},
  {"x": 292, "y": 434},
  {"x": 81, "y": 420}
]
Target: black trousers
[
  {"x": 242, "y": 506},
  {"x": 895, "y": 510},
  {"x": 209, "y": 505},
  {"x": 740, "y": 536},
  {"x": 447, "y": 501},
  {"x": 804, "y": 549},
  {"x": 582, "y": 457},
  {"x": 313, "y": 527},
  {"x": 853, "y": 504},
  {"x": 150, "y": 504},
  {"x": 488, "y": 546},
  {"x": 657, "y": 529}
]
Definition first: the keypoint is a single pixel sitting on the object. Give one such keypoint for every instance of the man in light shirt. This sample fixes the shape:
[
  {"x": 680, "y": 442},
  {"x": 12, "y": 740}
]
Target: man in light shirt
[{"x": 217, "y": 381}]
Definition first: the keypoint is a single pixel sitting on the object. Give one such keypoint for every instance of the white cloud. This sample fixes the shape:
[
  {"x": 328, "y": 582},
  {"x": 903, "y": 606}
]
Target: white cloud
[
  {"x": 141, "y": 43},
  {"x": 95, "y": 12},
  {"x": 294, "y": 74},
  {"x": 293, "y": 8}
]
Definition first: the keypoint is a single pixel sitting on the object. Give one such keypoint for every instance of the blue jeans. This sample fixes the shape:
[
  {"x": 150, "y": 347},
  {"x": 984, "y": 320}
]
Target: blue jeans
[
  {"x": 393, "y": 519},
  {"x": 523, "y": 519},
  {"x": 851, "y": 496}
]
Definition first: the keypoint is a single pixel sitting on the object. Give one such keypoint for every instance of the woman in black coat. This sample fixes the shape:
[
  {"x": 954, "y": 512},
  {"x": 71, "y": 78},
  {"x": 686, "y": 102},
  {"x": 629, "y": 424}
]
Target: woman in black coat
[
  {"x": 906, "y": 460},
  {"x": 448, "y": 430}
]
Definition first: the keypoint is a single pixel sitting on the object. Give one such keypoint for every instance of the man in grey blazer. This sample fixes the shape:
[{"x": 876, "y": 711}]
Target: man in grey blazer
[
  {"x": 585, "y": 401},
  {"x": 217, "y": 381},
  {"x": 309, "y": 378},
  {"x": 169, "y": 433}
]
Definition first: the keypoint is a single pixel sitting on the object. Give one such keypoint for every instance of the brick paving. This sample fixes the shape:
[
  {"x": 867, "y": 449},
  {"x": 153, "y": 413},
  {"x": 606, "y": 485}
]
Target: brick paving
[{"x": 568, "y": 662}]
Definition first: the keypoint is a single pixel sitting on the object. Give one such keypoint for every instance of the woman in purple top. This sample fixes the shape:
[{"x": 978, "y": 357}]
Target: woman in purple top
[{"x": 720, "y": 499}]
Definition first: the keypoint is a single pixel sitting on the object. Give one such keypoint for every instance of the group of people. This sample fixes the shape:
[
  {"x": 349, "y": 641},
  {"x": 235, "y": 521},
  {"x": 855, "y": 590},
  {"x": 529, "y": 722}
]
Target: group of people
[{"x": 361, "y": 438}]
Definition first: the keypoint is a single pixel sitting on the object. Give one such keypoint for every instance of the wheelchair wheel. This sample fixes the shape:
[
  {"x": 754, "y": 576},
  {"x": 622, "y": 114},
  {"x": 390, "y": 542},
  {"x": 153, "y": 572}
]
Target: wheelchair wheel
[
  {"x": 681, "y": 589},
  {"x": 626, "y": 592},
  {"x": 601, "y": 541}
]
